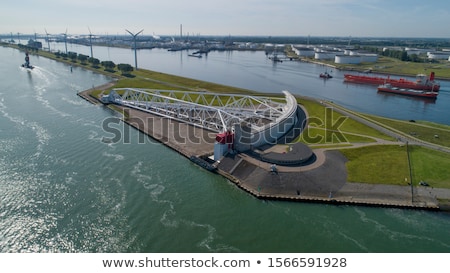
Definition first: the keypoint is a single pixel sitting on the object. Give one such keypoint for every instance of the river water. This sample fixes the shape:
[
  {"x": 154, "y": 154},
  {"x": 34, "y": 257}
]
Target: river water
[{"x": 64, "y": 190}]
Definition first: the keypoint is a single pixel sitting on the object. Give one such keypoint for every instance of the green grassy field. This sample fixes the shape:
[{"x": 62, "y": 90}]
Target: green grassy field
[
  {"x": 430, "y": 166},
  {"x": 313, "y": 135},
  {"x": 380, "y": 164},
  {"x": 320, "y": 118},
  {"x": 388, "y": 164},
  {"x": 426, "y": 131}
]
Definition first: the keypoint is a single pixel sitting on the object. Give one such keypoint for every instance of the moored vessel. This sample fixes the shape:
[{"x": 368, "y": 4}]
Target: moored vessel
[{"x": 423, "y": 82}]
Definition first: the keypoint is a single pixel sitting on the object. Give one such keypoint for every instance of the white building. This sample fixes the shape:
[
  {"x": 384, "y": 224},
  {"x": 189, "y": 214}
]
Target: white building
[{"x": 438, "y": 55}]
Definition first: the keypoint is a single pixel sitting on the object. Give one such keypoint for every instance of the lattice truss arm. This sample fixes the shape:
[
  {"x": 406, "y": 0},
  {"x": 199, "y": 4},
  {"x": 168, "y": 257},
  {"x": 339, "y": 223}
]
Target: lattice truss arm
[{"x": 213, "y": 111}]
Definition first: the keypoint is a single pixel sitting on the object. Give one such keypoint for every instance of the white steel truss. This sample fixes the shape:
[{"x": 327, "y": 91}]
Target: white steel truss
[{"x": 214, "y": 111}]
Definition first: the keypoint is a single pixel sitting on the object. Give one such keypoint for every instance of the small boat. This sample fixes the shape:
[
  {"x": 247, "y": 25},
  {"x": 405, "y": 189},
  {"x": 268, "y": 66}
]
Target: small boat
[
  {"x": 27, "y": 64},
  {"x": 325, "y": 75},
  {"x": 408, "y": 92},
  {"x": 195, "y": 55}
]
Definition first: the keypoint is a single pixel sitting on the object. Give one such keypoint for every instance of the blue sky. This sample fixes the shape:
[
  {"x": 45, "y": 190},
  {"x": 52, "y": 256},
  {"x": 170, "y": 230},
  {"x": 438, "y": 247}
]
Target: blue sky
[{"x": 356, "y": 18}]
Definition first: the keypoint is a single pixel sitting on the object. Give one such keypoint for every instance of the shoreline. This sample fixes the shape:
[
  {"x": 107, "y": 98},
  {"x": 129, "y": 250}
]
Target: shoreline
[{"x": 325, "y": 183}]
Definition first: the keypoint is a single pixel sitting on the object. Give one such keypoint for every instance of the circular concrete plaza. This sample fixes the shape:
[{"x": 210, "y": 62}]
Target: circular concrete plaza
[{"x": 297, "y": 154}]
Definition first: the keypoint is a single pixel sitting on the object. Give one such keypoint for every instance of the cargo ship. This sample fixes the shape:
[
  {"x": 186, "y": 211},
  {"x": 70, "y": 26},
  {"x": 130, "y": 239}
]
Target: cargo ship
[
  {"x": 408, "y": 92},
  {"x": 423, "y": 82}
]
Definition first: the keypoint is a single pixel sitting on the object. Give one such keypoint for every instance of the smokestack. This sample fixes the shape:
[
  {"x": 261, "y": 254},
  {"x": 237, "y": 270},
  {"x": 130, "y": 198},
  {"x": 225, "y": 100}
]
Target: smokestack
[
  {"x": 181, "y": 30},
  {"x": 432, "y": 76}
]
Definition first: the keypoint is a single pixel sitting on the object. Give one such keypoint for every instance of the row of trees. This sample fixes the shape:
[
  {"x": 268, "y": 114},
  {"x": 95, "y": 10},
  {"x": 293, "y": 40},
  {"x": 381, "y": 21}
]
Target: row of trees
[
  {"x": 108, "y": 65},
  {"x": 28, "y": 48}
]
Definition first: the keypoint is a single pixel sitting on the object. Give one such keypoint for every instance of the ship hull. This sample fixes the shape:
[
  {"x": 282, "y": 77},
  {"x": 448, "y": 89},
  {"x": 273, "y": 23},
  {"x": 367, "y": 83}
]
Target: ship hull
[
  {"x": 408, "y": 92},
  {"x": 400, "y": 83}
]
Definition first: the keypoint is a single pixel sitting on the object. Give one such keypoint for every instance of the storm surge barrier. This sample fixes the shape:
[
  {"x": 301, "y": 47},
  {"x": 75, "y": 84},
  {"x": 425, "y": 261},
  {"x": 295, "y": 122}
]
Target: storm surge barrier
[{"x": 218, "y": 112}]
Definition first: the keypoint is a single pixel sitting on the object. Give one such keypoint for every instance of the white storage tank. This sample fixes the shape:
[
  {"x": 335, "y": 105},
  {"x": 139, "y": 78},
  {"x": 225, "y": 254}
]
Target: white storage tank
[
  {"x": 325, "y": 55},
  {"x": 347, "y": 59},
  {"x": 305, "y": 51},
  {"x": 369, "y": 58}
]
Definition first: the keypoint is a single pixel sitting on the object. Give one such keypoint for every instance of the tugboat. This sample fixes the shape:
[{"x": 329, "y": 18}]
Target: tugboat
[
  {"x": 325, "y": 75},
  {"x": 27, "y": 64}
]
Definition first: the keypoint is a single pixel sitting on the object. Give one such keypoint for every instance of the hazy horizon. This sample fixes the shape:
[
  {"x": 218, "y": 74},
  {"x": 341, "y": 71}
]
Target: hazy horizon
[{"x": 261, "y": 18}]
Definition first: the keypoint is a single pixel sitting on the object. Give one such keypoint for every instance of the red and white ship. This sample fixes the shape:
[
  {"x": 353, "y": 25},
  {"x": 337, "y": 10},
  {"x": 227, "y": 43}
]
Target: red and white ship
[
  {"x": 408, "y": 92},
  {"x": 423, "y": 82}
]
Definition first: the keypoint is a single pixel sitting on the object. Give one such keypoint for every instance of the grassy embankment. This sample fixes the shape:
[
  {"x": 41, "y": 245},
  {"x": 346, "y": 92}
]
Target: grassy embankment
[
  {"x": 328, "y": 128},
  {"x": 426, "y": 131},
  {"x": 386, "y": 164}
]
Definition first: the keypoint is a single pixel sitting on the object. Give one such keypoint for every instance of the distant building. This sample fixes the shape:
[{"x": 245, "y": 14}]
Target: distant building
[
  {"x": 417, "y": 51},
  {"x": 303, "y": 51},
  {"x": 438, "y": 55},
  {"x": 347, "y": 59},
  {"x": 34, "y": 44},
  {"x": 325, "y": 55},
  {"x": 355, "y": 57}
]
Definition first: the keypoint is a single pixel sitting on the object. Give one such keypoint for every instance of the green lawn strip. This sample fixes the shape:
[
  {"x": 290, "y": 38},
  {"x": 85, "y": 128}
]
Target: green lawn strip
[
  {"x": 430, "y": 166},
  {"x": 189, "y": 83},
  {"x": 433, "y": 124},
  {"x": 314, "y": 135},
  {"x": 379, "y": 164},
  {"x": 429, "y": 132},
  {"x": 317, "y": 112},
  {"x": 330, "y": 146}
]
